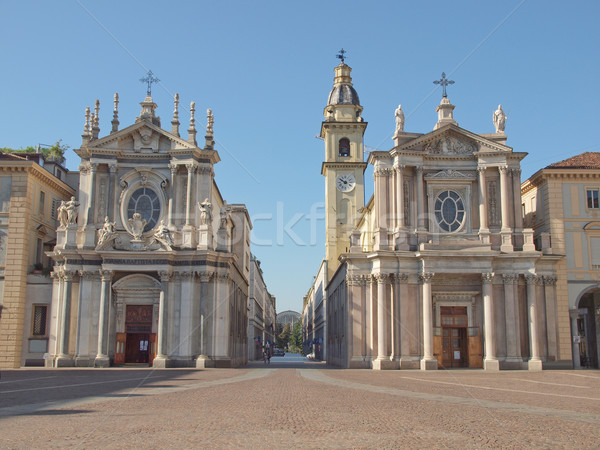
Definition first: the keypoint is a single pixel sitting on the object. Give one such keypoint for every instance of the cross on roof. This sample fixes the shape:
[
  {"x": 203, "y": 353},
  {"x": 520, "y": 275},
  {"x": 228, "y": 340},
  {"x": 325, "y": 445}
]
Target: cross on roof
[
  {"x": 149, "y": 79},
  {"x": 443, "y": 82},
  {"x": 341, "y": 55}
]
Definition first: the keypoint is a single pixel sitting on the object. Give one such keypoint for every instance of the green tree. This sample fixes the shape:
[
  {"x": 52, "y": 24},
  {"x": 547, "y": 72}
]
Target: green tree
[
  {"x": 296, "y": 336},
  {"x": 283, "y": 338},
  {"x": 55, "y": 152}
]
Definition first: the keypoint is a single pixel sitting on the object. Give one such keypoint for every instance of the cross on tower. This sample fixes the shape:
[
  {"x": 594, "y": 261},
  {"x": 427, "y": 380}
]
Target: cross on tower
[
  {"x": 443, "y": 82},
  {"x": 149, "y": 79},
  {"x": 341, "y": 55}
]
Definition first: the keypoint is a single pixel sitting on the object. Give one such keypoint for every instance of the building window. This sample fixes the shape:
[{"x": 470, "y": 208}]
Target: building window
[
  {"x": 42, "y": 204},
  {"x": 449, "y": 211},
  {"x": 39, "y": 321},
  {"x": 344, "y": 147},
  {"x": 592, "y": 198},
  {"x": 146, "y": 202}
]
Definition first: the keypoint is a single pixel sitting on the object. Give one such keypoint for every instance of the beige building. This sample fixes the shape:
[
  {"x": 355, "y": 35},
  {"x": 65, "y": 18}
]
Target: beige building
[
  {"x": 437, "y": 269},
  {"x": 152, "y": 264},
  {"x": 262, "y": 314},
  {"x": 30, "y": 190},
  {"x": 561, "y": 203}
]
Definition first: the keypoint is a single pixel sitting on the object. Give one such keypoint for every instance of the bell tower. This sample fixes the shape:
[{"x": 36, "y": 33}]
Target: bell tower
[{"x": 343, "y": 168}]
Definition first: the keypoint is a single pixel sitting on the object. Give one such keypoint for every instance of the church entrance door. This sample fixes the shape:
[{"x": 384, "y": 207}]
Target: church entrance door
[
  {"x": 139, "y": 339},
  {"x": 454, "y": 336}
]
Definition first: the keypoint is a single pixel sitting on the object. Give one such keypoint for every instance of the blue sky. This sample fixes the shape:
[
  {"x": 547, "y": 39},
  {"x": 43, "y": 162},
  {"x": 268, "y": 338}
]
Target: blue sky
[{"x": 266, "y": 68}]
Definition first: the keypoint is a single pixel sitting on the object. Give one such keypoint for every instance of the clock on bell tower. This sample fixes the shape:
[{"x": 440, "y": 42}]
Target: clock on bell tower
[{"x": 342, "y": 130}]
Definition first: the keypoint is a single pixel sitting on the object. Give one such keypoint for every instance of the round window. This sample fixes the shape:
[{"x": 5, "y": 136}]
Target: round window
[
  {"x": 146, "y": 202},
  {"x": 449, "y": 211}
]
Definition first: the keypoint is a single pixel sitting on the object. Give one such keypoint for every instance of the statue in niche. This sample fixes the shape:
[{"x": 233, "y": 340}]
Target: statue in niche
[
  {"x": 499, "y": 119},
  {"x": 137, "y": 225},
  {"x": 163, "y": 234},
  {"x": 399, "y": 120},
  {"x": 106, "y": 232},
  {"x": 72, "y": 212},
  {"x": 205, "y": 212},
  {"x": 63, "y": 217}
]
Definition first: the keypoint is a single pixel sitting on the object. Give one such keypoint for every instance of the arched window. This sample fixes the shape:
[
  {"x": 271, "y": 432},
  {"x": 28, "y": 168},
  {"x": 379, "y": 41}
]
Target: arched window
[
  {"x": 145, "y": 201},
  {"x": 344, "y": 147},
  {"x": 449, "y": 211}
]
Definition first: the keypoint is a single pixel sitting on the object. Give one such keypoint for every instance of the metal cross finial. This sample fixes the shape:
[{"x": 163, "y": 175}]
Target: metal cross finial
[
  {"x": 341, "y": 55},
  {"x": 443, "y": 82},
  {"x": 149, "y": 79}
]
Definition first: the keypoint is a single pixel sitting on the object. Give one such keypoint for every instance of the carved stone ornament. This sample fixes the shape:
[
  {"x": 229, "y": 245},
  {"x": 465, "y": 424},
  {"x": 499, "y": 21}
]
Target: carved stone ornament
[
  {"x": 205, "y": 212},
  {"x": 448, "y": 173},
  {"x": 510, "y": 278},
  {"x": 137, "y": 225},
  {"x": 449, "y": 145},
  {"x": 426, "y": 277},
  {"x": 145, "y": 135},
  {"x": 487, "y": 278}
]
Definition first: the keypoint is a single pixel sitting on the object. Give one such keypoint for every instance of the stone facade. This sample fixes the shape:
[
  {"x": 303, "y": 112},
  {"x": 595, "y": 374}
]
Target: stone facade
[
  {"x": 438, "y": 269},
  {"x": 29, "y": 195},
  {"x": 262, "y": 313},
  {"x": 152, "y": 264},
  {"x": 561, "y": 203}
]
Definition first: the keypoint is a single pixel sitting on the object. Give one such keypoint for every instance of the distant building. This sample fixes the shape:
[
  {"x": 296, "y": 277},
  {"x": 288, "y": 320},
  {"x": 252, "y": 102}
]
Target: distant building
[
  {"x": 561, "y": 202},
  {"x": 261, "y": 312},
  {"x": 31, "y": 190},
  {"x": 288, "y": 317}
]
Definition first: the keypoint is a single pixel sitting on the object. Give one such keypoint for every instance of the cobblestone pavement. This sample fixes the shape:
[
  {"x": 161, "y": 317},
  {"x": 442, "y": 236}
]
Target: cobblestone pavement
[{"x": 306, "y": 405}]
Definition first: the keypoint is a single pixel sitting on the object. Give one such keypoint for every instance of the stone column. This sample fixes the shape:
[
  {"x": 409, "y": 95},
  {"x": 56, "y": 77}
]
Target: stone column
[
  {"x": 505, "y": 232},
  {"x": 92, "y": 197},
  {"x": 112, "y": 169},
  {"x": 490, "y": 361},
  {"x": 420, "y": 199},
  {"x": 400, "y": 195},
  {"x": 191, "y": 168},
  {"x": 574, "y": 314},
  {"x": 535, "y": 363},
  {"x": 172, "y": 195},
  {"x": 63, "y": 359},
  {"x": 513, "y": 332},
  {"x": 516, "y": 179},
  {"x": 383, "y": 310},
  {"x": 484, "y": 232},
  {"x": 102, "y": 359},
  {"x": 551, "y": 316},
  {"x": 161, "y": 358},
  {"x": 428, "y": 362}
]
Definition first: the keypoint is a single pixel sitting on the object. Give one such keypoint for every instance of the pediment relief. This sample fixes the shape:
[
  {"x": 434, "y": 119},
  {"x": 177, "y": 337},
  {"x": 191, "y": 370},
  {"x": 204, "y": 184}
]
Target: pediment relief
[
  {"x": 449, "y": 174},
  {"x": 450, "y": 145}
]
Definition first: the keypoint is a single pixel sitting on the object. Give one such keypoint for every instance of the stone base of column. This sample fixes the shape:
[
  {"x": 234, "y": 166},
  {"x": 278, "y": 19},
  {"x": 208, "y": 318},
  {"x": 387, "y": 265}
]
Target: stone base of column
[
  {"x": 64, "y": 361},
  {"x": 512, "y": 363},
  {"x": 205, "y": 238},
  {"x": 484, "y": 236},
  {"x": 71, "y": 236},
  {"x": 506, "y": 236},
  {"x": 382, "y": 241},
  {"x": 409, "y": 362},
  {"x": 359, "y": 362},
  {"x": 160, "y": 362},
  {"x": 422, "y": 236},
  {"x": 223, "y": 362},
  {"x": 102, "y": 361},
  {"x": 402, "y": 240},
  {"x": 83, "y": 361},
  {"x": 384, "y": 364},
  {"x": 534, "y": 365},
  {"x": 429, "y": 364},
  {"x": 491, "y": 365},
  {"x": 188, "y": 238},
  {"x": 204, "y": 362}
]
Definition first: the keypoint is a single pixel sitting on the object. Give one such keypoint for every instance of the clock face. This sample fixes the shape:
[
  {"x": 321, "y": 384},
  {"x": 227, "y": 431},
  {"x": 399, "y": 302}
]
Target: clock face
[{"x": 345, "y": 182}]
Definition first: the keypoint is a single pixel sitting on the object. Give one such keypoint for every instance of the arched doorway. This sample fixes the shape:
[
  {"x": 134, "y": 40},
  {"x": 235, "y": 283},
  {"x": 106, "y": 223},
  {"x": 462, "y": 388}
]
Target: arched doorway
[
  {"x": 585, "y": 328},
  {"x": 136, "y": 300}
]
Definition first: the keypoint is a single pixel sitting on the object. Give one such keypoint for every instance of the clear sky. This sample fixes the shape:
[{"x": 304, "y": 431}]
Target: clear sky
[{"x": 266, "y": 68}]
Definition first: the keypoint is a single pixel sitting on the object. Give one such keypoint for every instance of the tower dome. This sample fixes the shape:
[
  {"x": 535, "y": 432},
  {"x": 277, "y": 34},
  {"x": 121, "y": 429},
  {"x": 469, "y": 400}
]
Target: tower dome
[{"x": 342, "y": 92}]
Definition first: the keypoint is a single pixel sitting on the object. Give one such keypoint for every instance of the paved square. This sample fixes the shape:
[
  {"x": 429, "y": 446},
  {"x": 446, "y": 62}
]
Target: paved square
[{"x": 291, "y": 403}]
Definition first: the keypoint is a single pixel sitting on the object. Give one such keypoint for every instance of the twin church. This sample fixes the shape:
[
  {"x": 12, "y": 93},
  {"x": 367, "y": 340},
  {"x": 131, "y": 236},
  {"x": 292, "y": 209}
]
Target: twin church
[{"x": 152, "y": 265}]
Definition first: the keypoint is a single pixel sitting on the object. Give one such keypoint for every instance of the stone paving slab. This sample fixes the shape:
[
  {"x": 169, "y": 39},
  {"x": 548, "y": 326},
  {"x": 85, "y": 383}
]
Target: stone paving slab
[{"x": 308, "y": 407}]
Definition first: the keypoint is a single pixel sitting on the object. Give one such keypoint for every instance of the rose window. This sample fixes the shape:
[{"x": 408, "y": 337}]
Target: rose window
[{"x": 449, "y": 211}]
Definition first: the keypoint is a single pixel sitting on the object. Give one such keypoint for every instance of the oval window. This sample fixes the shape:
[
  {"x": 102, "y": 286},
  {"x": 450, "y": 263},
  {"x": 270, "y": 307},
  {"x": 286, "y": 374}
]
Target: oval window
[
  {"x": 146, "y": 202},
  {"x": 449, "y": 211}
]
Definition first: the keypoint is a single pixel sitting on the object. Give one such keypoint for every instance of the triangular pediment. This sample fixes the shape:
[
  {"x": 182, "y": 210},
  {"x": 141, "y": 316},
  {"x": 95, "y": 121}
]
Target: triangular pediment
[
  {"x": 142, "y": 136},
  {"x": 452, "y": 140}
]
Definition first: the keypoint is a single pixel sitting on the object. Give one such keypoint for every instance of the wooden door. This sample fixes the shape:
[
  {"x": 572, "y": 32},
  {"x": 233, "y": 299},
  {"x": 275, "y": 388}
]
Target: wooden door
[
  {"x": 437, "y": 346},
  {"x": 475, "y": 347},
  {"x": 151, "y": 347},
  {"x": 120, "y": 349}
]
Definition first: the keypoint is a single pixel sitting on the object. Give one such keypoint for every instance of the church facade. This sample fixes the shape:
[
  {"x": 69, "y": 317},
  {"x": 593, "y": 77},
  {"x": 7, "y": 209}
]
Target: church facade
[
  {"x": 437, "y": 269},
  {"x": 151, "y": 263}
]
